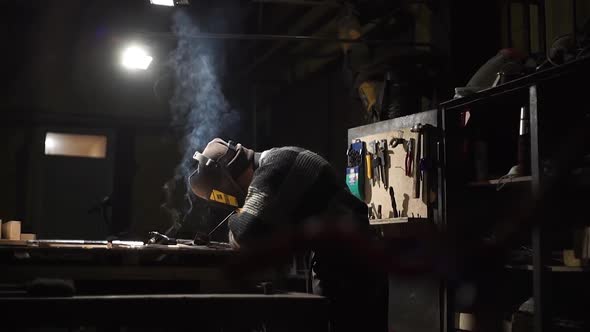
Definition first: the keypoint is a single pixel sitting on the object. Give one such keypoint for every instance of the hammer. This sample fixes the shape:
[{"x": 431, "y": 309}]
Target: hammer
[{"x": 417, "y": 128}]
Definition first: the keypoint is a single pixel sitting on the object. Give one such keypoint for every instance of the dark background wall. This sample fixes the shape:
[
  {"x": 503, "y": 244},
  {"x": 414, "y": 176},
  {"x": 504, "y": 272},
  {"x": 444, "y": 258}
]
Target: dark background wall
[
  {"x": 54, "y": 78},
  {"x": 314, "y": 114}
]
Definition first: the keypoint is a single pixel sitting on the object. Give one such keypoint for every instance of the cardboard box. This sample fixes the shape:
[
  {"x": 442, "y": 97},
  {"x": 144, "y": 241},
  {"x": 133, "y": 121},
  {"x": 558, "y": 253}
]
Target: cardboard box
[
  {"x": 11, "y": 230},
  {"x": 570, "y": 259}
]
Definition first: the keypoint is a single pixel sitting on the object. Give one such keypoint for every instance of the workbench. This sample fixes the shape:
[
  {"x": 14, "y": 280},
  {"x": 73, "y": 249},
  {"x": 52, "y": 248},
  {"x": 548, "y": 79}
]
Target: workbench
[
  {"x": 133, "y": 284},
  {"x": 121, "y": 267}
]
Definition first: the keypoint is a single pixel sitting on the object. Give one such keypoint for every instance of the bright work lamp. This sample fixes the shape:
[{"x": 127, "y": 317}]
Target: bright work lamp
[{"x": 135, "y": 57}]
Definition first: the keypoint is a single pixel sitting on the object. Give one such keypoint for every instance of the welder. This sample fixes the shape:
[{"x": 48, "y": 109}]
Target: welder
[{"x": 285, "y": 188}]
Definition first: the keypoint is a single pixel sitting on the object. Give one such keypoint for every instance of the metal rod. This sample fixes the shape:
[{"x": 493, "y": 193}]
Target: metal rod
[
  {"x": 541, "y": 287},
  {"x": 255, "y": 117},
  {"x": 260, "y": 17},
  {"x": 542, "y": 27},
  {"x": 509, "y": 23},
  {"x": 527, "y": 23},
  {"x": 575, "y": 22},
  {"x": 238, "y": 36},
  {"x": 222, "y": 222}
]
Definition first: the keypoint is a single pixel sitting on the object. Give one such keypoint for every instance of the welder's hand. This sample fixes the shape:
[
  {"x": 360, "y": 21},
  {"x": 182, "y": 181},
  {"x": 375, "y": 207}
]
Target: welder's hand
[{"x": 232, "y": 241}]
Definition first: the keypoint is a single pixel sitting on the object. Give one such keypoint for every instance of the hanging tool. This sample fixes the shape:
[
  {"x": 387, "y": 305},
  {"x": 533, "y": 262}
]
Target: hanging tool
[
  {"x": 377, "y": 162},
  {"x": 355, "y": 172},
  {"x": 374, "y": 162},
  {"x": 394, "y": 142},
  {"x": 409, "y": 156},
  {"x": 373, "y": 214},
  {"x": 425, "y": 164},
  {"x": 393, "y": 204},
  {"x": 418, "y": 164},
  {"x": 369, "y": 166},
  {"x": 384, "y": 163}
]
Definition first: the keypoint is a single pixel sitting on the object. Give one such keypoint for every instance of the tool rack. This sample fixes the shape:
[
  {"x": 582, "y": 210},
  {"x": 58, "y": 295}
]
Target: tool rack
[
  {"x": 413, "y": 184},
  {"x": 414, "y": 302}
]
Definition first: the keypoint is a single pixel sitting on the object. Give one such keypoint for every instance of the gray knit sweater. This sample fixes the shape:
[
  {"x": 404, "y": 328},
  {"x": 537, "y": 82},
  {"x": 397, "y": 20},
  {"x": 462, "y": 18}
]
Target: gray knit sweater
[{"x": 290, "y": 185}]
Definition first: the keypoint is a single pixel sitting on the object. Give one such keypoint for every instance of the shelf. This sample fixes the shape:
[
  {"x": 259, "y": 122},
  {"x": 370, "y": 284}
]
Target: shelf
[
  {"x": 392, "y": 221},
  {"x": 396, "y": 228},
  {"x": 507, "y": 181},
  {"x": 576, "y": 66},
  {"x": 553, "y": 268}
]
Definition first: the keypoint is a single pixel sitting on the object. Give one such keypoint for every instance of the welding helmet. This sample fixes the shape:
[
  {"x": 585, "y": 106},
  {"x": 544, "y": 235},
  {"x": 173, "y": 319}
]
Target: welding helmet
[{"x": 216, "y": 170}]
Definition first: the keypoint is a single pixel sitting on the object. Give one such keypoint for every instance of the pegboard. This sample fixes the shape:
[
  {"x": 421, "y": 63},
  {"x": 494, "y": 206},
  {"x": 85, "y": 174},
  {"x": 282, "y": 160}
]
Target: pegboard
[{"x": 410, "y": 192}]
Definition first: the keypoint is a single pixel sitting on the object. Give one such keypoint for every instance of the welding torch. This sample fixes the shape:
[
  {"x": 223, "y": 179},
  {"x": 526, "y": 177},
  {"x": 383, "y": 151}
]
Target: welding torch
[
  {"x": 199, "y": 239},
  {"x": 204, "y": 239}
]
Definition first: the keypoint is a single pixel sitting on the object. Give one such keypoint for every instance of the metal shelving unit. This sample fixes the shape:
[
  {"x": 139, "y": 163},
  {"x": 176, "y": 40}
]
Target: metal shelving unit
[{"x": 529, "y": 91}]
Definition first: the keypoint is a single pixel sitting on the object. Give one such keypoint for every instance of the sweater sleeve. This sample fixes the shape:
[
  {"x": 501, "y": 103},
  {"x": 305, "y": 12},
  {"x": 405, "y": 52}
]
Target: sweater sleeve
[
  {"x": 249, "y": 222},
  {"x": 283, "y": 192},
  {"x": 261, "y": 204}
]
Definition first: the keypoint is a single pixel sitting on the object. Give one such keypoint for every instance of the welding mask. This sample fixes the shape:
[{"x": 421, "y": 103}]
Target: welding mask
[{"x": 215, "y": 171}]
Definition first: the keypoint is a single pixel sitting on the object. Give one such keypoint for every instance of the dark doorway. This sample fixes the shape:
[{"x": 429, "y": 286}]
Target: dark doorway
[{"x": 71, "y": 183}]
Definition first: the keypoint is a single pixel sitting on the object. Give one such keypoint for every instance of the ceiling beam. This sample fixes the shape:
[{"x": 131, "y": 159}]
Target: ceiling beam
[{"x": 310, "y": 18}]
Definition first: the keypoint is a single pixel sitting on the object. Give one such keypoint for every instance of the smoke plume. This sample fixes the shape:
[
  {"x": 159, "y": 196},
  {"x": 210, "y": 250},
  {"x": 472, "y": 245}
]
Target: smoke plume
[{"x": 198, "y": 106}]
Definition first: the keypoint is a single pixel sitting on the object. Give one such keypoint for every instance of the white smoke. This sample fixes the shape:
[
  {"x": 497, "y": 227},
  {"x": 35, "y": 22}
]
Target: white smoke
[{"x": 198, "y": 106}]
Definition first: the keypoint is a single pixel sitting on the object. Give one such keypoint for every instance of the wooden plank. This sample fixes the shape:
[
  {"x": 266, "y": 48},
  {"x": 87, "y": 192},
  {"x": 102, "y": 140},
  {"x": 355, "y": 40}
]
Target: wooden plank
[
  {"x": 4, "y": 242},
  {"x": 28, "y": 236},
  {"x": 389, "y": 221}
]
